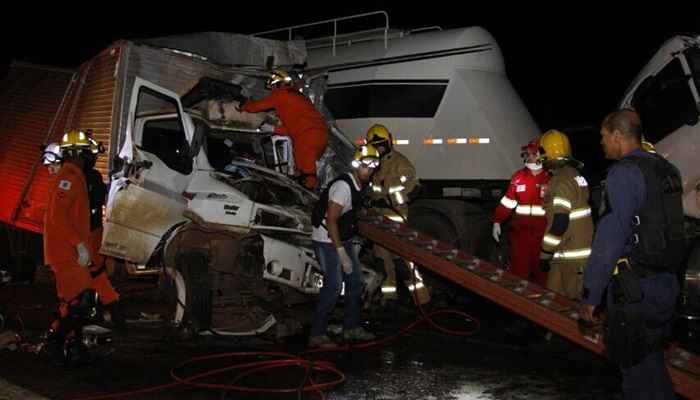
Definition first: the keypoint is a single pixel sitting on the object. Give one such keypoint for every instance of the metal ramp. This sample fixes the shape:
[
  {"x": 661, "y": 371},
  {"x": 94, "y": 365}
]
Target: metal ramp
[{"x": 534, "y": 302}]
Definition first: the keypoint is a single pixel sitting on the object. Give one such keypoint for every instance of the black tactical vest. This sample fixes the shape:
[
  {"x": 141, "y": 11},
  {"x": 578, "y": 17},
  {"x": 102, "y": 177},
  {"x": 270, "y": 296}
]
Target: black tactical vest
[
  {"x": 657, "y": 240},
  {"x": 347, "y": 222}
]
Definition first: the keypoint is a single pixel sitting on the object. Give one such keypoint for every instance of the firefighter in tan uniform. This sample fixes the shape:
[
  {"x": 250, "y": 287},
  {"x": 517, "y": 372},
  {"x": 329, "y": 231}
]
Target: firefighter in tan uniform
[
  {"x": 567, "y": 241},
  {"x": 391, "y": 185}
]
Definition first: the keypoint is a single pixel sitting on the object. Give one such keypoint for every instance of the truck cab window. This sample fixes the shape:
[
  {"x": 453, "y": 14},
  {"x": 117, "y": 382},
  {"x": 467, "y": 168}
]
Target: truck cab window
[
  {"x": 664, "y": 102},
  {"x": 165, "y": 138}
]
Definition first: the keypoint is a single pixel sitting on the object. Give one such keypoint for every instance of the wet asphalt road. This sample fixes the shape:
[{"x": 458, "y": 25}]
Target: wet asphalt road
[{"x": 423, "y": 364}]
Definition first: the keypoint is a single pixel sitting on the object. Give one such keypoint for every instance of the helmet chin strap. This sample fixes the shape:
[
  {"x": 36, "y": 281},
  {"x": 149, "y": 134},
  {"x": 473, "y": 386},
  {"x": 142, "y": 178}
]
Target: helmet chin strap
[{"x": 533, "y": 166}]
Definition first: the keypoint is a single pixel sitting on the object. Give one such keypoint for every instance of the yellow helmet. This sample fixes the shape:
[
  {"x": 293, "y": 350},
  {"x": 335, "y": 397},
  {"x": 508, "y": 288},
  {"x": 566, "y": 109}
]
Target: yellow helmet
[
  {"x": 278, "y": 76},
  {"x": 378, "y": 133},
  {"x": 75, "y": 138},
  {"x": 365, "y": 155},
  {"x": 648, "y": 147},
  {"x": 556, "y": 145}
]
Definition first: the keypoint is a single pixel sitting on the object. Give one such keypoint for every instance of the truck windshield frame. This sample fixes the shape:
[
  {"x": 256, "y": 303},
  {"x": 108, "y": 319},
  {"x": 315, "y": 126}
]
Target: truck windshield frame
[{"x": 665, "y": 101}]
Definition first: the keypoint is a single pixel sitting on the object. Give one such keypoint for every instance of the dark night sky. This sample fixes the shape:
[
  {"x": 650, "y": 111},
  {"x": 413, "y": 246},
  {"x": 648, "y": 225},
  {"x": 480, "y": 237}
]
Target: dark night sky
[{"x": 570, "y": 64}]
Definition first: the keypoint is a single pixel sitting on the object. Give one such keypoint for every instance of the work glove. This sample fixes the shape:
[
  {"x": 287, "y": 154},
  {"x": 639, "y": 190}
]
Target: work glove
[
  {"x": 345, "y": 261},
  {"x": 83, "y": 254},
  {"x": 496, "y": 232},
  {"x": 545, "y": 260},
  {"x": 265, "y": 127}
]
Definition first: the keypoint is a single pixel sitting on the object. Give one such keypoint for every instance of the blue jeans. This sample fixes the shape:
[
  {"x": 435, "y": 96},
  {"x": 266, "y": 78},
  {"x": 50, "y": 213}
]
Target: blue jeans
[
  {"x": 330, "y": 291},
  {"x": 649, "y": 380}
]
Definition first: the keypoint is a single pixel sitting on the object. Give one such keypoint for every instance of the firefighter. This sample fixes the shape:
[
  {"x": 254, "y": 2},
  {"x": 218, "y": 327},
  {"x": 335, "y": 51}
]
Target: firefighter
[
  {"x": 390, "y": 189},
  {"x": 334, "y": 222},
  {"x": 97, "y": 193},
  {"x": 67, "y": 245},
  {"x": 299, "y": 120},
  {"x": 566, "y": 244},
  {"x": 524, "y": 197},
  {"x": 637, "y": 250}
]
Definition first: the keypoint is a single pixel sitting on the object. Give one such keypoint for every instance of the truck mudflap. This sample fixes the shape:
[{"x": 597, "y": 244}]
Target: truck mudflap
[{"x": 533, "y": 302}]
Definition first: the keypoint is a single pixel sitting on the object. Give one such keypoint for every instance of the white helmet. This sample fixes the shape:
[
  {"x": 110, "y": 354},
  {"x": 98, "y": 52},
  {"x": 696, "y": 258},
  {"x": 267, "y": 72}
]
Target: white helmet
[{"x": 52, "y": 154}]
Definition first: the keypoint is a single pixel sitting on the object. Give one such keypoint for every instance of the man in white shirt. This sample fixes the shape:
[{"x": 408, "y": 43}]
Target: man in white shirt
[{"x": 335, "y": 225}]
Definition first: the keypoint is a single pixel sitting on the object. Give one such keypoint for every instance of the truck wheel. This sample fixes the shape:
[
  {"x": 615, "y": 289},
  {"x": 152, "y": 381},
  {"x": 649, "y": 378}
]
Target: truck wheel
[
  {"x": 435, "y": 225},
  {"x": 462, "y": 224},
  {"x": 188, "y": 291}
]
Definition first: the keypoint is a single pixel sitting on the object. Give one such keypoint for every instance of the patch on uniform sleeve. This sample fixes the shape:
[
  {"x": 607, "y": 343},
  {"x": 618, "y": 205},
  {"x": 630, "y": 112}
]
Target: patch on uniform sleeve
[
  {"x": 64, "y": 184},
  {"x": 581, "y": 181},
  {"x": 520, "y": 188}
]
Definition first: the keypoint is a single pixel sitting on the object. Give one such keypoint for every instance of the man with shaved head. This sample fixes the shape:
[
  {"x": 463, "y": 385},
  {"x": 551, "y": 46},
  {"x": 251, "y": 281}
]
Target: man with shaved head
[{"x": 636, "y": 252}]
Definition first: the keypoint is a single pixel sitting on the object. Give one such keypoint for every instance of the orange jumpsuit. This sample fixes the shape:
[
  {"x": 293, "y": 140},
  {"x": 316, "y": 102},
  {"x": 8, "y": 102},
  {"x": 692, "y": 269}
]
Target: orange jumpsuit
[
  {"x": 67, "y": 223},
  {"x": 300, "y": 121}
]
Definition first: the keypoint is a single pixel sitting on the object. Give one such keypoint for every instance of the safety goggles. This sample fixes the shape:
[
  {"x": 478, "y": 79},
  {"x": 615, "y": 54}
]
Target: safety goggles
[{"x": 50, "y": 157}]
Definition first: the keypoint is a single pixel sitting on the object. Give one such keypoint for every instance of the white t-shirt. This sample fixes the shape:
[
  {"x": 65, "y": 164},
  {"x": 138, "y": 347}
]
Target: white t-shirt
[{"x": 338, "y": 193}]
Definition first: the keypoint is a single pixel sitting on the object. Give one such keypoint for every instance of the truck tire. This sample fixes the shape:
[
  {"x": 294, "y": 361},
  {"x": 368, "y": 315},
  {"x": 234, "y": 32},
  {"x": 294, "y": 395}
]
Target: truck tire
[
  {"x": 189, "y": 292},
  {"x": 459, "y": 223}
]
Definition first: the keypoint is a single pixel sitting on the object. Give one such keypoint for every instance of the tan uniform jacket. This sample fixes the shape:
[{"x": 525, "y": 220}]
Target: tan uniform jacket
[
  {"x": 567, "y": 193},
  {"x": 394, "y": 181}
]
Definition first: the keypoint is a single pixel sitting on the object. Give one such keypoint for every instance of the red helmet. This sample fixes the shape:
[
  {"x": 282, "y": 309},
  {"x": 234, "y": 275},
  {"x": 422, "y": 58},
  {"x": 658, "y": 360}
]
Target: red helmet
[{"x": 532, "y": 147}]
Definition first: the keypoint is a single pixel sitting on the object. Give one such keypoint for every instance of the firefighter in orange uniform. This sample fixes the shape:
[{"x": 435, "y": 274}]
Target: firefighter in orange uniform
[
  {"x": 524, "y": 198},
  {"x": 66, "y": 243},
  {"x": 299, "y": 119}
]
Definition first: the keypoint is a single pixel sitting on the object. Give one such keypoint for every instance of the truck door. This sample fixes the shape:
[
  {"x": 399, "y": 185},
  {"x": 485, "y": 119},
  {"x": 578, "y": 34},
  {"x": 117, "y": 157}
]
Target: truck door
[{"x": 147, "y": 197}]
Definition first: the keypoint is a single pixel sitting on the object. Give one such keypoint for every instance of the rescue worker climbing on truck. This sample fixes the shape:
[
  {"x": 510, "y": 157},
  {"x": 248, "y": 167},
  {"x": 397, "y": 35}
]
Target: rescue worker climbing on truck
[
  {"x": 66, "y": 245},
  {"x": 566, "y": 244},
  {"x": 524, "y": 198},
  {"x": 299, "y": 119},
  {"x": 637, "y": 250},
  {"x": 391, "y": 186}
]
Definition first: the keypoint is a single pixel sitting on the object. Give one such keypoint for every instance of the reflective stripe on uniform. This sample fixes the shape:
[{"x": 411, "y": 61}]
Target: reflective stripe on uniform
[
  {"x": 395, "y": 189},
  {"x": 399, "y": 198},
  {"x": 418, "y": 286},
  {"x": 573, "y": 254},
  {"x": 580, "y": 213},
  {"x": 537, "y": 211},
  {"x": 396, "y": 218},
  {"x": 388, "y": 289},
  {"x": 508, "y": 203},
  {"x": 560, "y": 201},
  {"x": 551, "y": 240}
]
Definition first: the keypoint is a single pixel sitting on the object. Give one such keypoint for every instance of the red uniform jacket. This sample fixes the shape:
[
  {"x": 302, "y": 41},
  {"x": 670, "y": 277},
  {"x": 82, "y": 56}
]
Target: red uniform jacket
[{"x": 524, "y": 198}]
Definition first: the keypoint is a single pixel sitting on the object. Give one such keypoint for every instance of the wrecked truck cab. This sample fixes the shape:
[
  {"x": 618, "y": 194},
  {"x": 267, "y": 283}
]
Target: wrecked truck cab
[{"x": 212, "y": 210}]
